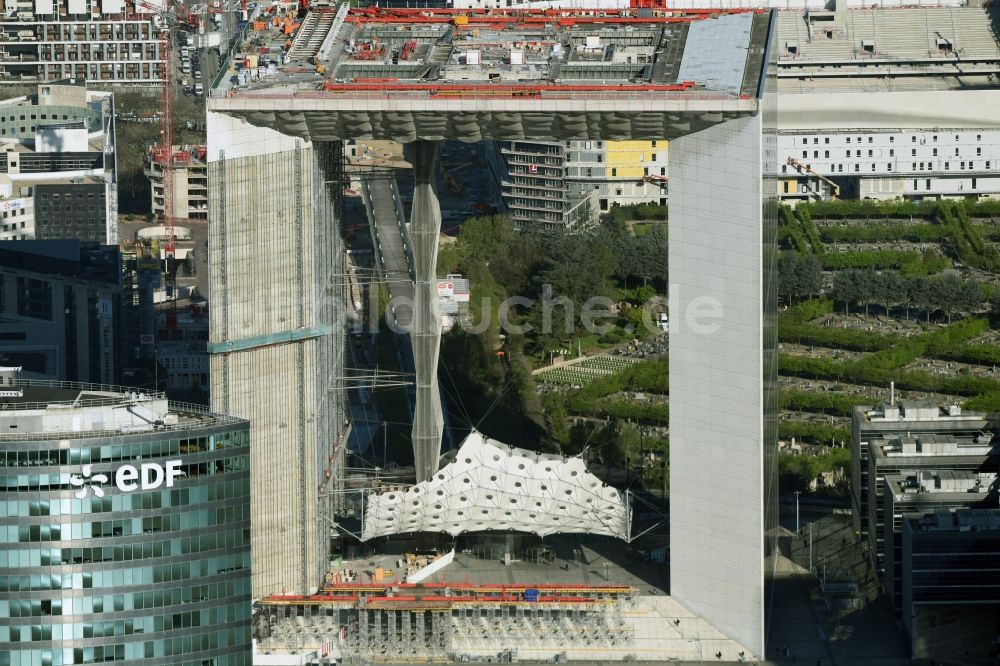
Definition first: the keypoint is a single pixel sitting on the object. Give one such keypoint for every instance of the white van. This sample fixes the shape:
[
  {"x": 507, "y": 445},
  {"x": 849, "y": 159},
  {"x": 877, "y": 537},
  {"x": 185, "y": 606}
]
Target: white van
[{"x": 199, "y": 89}]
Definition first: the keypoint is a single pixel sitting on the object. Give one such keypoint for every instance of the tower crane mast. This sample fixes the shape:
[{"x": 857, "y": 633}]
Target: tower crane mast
[{"x": 165, "y": 153}]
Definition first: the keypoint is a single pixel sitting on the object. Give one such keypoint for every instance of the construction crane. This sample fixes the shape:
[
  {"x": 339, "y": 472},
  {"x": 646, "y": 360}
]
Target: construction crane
[
  {"x": 806, "y": 169},
  {"x": 166, "y": 151}
]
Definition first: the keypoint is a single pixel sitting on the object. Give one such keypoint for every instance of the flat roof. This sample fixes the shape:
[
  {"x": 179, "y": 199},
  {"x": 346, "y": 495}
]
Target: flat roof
[
  {"x": 928, "y": 48},
  {"x": 957, "y": 520},
  {"x": 73, "y": 410},
  {"x": 470, "y": 67}
]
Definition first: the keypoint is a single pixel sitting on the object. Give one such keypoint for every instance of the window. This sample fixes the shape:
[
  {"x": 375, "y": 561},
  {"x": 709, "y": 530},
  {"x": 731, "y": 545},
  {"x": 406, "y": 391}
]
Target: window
[
  {"x": 614, "y": 172},
  {"x": 653, "y": 144},
  {"x": 888, "y": 167},
  {"x": 934, "y": 153},
  {"x": 956, "y": 152},
  {"x": 805, "y": 153},
  {"x": 979, "y": 152},
  {"x": 848, "y": 139},
  {"x": 815, "y": 140},
  {"x": 913, "y": 152},
  {"x": 815, "y": 153},
  {"x": 869, "y": 153},
  {"x": 840, "y": 167},
  {"x": 934, "y": 138},
  {"x": 946, "y": 165},
  {"x": 892, "y": 152},
  {"x": 987, "y": 164},
  {"x": 847, "y": 153},
  {"x": 826, "y": 153},
  {"x": 915, "y": 184},
  {"x": 962, "y": 165},
  {"x": 892, "y": 139},
  {"x": 973, "y": 183},
  {"x": 857, "y": 153},
  {"x": 805, "y": 140},
  {"x": 869, "y": 139},
  {"x": 927, "y": 183},
  {"x": 826, "y": 139},
  {"x": 857, "y": 167},
  {"x": 914, "y": 167},
  {"x": 913, "y": 139}
]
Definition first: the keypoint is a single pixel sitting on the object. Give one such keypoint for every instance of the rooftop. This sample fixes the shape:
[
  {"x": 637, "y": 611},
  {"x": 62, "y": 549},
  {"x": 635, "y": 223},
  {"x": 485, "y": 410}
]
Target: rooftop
[
  {"x": 932, "y": 445},
  {"x": 959, "y": 520},
  {"x": 922, "y": 411},
  {"x": 33, "y": 409},
  {"x": 64, "y": 258},
  {"x": 933, "y": 486},
  {"x": 471, "y": 61},
  {"x": 926, "y": 48}
]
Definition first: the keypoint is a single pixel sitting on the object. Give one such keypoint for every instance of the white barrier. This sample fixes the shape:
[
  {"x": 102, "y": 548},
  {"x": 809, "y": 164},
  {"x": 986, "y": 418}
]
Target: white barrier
[{"x": 440, "y": 563}]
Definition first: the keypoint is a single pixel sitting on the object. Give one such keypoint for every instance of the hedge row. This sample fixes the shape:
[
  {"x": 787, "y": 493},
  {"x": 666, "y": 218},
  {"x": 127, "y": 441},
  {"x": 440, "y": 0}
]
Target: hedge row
[{"x": 817, "y": 433}]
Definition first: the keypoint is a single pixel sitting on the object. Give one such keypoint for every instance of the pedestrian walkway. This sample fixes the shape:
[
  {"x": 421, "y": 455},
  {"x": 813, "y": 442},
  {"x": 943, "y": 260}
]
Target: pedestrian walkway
[{"x": 814, "y": 634}]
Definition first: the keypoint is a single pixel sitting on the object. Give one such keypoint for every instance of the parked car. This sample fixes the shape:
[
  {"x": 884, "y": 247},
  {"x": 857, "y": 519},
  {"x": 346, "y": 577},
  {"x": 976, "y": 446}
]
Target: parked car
[{"x": 199, "y": 89}]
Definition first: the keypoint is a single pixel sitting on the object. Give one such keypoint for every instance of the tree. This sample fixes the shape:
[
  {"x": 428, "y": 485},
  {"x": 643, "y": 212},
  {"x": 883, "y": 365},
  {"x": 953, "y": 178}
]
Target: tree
[
  {"x": 787, "y": 276},
  {"x": 890, "y": 286},
  {"x": 866, "y": 282},
  {"x": 808, "y": 275},
  {"x": 923, "y": 295},
  {"x": 845, "y": 288}
]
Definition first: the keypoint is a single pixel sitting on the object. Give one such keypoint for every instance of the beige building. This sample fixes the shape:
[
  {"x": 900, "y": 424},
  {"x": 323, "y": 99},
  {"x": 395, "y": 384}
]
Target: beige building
[{"x": 189, "y": 185}]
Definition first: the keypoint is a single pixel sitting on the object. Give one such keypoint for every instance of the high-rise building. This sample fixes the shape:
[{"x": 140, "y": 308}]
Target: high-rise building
[
  {"x": 61, "y": 310},
  {"x": 276, "y": 333},
  {"x": 107, "y": 42},
  {"x": 58, "y": 174},
  {"x": 927, "y": 491},
  {"x": 125, "y": 529},
  {"x": 951, "y": 598}
]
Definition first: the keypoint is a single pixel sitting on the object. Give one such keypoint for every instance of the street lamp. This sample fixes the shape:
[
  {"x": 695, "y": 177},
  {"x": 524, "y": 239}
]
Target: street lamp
[{"x": 797, "y": 493}]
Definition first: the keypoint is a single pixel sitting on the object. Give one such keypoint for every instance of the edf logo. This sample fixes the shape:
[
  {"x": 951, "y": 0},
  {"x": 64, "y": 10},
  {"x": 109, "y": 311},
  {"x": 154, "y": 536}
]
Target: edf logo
[{"x": 148, "y": 476}]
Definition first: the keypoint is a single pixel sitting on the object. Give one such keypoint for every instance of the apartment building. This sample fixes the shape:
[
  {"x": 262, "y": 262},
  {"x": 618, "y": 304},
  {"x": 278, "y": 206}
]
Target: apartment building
[
  {"x": 883, "y": 164},
  {"x": 101, "y": 41},
  {"x": 569, "y": 184},
  {"x": 189, "y": 184}
]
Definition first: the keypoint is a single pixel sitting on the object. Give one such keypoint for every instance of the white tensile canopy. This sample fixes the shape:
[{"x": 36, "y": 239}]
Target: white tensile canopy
[{"x": 491, "y": 486}]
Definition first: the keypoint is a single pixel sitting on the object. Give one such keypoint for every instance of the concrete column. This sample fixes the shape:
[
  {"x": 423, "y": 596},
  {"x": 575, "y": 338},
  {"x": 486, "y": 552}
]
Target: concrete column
[
  {"x": 722, "y": 374},
  {"x": 425, "y": 336}
]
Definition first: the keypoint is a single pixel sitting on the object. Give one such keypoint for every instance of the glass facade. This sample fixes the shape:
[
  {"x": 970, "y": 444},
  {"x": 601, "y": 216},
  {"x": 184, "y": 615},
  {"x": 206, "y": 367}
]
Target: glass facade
[{"x": 124, "y": 548}]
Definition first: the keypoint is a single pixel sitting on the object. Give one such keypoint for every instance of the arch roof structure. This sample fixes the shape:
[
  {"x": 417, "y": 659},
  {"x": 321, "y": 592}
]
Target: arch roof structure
[
  {"x": 491, "y": 486},
  {"x": 412, "y": 75}
]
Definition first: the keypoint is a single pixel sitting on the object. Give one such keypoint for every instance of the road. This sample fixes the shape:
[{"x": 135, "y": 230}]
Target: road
[{"x": 381, "y": 197}]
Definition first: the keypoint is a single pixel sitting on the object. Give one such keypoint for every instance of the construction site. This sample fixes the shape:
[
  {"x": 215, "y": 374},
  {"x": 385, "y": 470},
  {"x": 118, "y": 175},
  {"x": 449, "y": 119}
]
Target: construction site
[{"x": 482, "y": 551}]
